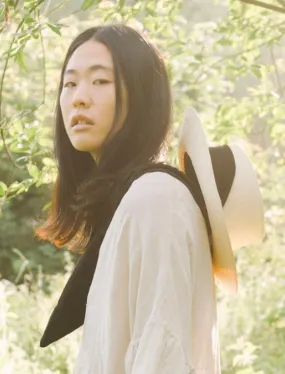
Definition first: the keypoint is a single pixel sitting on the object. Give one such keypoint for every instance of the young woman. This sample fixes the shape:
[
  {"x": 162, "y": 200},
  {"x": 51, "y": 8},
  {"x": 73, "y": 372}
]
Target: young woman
[{"x": 144, "y": 286}]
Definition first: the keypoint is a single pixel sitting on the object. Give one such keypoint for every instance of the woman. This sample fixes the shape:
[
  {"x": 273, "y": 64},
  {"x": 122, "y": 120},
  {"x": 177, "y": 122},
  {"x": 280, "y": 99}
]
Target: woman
[{"x": 147, "y": 298}]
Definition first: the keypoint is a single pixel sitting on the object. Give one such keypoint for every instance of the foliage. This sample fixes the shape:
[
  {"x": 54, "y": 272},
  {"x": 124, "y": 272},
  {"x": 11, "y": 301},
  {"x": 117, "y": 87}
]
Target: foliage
[
  {"x": 231, "y": 70},
  {"x": 27, "y": 167},
  {"x": 24, "y": 312}
]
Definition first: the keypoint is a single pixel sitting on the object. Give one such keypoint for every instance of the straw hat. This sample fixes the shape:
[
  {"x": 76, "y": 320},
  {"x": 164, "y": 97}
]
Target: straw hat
[{"x": 231, "y": 194}]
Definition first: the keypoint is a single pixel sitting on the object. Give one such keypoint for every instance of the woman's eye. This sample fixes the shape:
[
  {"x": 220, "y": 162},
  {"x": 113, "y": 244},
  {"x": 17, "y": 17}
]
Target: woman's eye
[
  {"x": 69, "y": 84},
  {"x": 100, "y": 81}
]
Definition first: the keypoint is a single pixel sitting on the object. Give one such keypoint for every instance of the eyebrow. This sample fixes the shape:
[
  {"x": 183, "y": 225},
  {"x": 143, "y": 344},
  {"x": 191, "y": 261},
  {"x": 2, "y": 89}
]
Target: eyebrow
[{"x": 90, "y": 69}]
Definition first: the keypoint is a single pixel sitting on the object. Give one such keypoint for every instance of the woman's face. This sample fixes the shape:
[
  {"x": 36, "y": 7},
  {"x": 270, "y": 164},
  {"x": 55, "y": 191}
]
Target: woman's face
[{"x": 88, "y": 98}]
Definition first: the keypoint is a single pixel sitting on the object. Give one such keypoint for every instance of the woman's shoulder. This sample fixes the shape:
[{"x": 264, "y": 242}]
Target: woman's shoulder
[
  {"x": 156, "y": 190},
  {"x": 157, "y": 179}
]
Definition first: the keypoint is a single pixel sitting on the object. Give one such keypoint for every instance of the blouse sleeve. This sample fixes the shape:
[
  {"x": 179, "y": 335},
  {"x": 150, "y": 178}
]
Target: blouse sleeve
[{"x": 160, "y": 283}]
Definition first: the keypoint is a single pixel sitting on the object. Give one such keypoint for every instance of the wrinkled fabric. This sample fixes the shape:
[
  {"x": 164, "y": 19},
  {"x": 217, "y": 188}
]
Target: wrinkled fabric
[{"x": 151, "y": 307}]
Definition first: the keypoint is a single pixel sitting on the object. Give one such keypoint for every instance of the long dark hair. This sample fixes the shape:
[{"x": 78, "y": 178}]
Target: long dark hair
[{"x": 84, "y": 194}]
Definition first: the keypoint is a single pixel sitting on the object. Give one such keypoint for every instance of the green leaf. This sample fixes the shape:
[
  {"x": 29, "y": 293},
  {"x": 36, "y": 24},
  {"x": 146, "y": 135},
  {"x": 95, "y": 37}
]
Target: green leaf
[
  {"x": 151, "y": 11},
  {"x": 33, "y": 170},
  {"x": 54, "y": 28},
  {"x": 121, "y": 3},
  {"x": 20, "y": 190},
  {"x": 35, "y": 35},
  {"x": 45, "y": 142},
  {"x": 3, "y": 189},
  {"x": 14, "y": 186},
  {"x": 48, "y": 161},
  {"x": 20, "y": 60},
  {"x": 19, "y": 147},
  {"x": 47, "y": 206},
  {"x": 256, "y": 71},
  {"x": 29, "y": 19},
  {"x": 18, "y": 126},
  {"x": 199, "y": 57},
  {"x": 31, "y": 133},
  {"x": 87, "y": 4}
]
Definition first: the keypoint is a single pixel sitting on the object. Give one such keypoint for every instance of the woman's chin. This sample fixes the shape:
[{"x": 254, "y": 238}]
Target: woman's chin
[{"x": 83, "y": 147}]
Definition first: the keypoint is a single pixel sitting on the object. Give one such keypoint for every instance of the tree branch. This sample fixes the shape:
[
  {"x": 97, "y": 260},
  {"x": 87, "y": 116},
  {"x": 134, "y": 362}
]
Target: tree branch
[
  {"x": 281, "y": 2},
  {"x": 4, "y": 74},
  {"x": 233, "y": 55},
  {"x": 264, "y": 5}
]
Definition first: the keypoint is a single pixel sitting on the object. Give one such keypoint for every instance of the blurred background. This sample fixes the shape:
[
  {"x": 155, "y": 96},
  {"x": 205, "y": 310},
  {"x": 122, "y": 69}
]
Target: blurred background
[{"x": 226, "y": 59}]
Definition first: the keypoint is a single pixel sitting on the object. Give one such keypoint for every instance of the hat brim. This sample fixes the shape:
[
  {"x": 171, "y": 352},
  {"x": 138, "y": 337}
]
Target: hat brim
[{"x": 192, "y": 140}]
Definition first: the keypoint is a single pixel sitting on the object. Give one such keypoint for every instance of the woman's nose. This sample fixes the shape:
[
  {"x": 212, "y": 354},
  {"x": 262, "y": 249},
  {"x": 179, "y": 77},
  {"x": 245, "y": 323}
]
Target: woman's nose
[{"x": 81, "y": 97}]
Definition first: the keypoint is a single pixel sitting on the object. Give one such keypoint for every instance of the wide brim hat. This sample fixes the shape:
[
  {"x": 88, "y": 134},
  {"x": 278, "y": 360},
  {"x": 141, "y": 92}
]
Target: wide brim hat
[{"x": 231, "y": 194}]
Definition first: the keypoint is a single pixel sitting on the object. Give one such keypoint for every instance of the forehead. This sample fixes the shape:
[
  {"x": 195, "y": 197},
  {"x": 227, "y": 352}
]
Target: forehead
[{"x": 90, "y": 53}]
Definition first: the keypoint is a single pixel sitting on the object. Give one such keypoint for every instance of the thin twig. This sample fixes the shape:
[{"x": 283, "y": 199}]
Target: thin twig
[
  {"x": 55, "y": 8},
  {"x": 6, "y": 147},
  {"x": 278, "y": 78},
  {"x": 44, "y": 61},
  {"x": 264, "y": 5},
  {"x": 6, "y": 13},
  {"x": 16, "y": 4}
]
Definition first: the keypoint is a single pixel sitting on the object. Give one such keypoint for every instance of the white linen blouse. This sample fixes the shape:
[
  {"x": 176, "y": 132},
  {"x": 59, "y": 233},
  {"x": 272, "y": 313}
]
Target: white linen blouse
[{"x": 151, "y": 307}]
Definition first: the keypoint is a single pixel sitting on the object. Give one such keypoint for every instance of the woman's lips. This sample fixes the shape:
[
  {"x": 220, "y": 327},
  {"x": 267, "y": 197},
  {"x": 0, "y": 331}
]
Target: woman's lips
[
  {"x": 81, "y": 126},
  {"x": 81, "y": 119}
]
